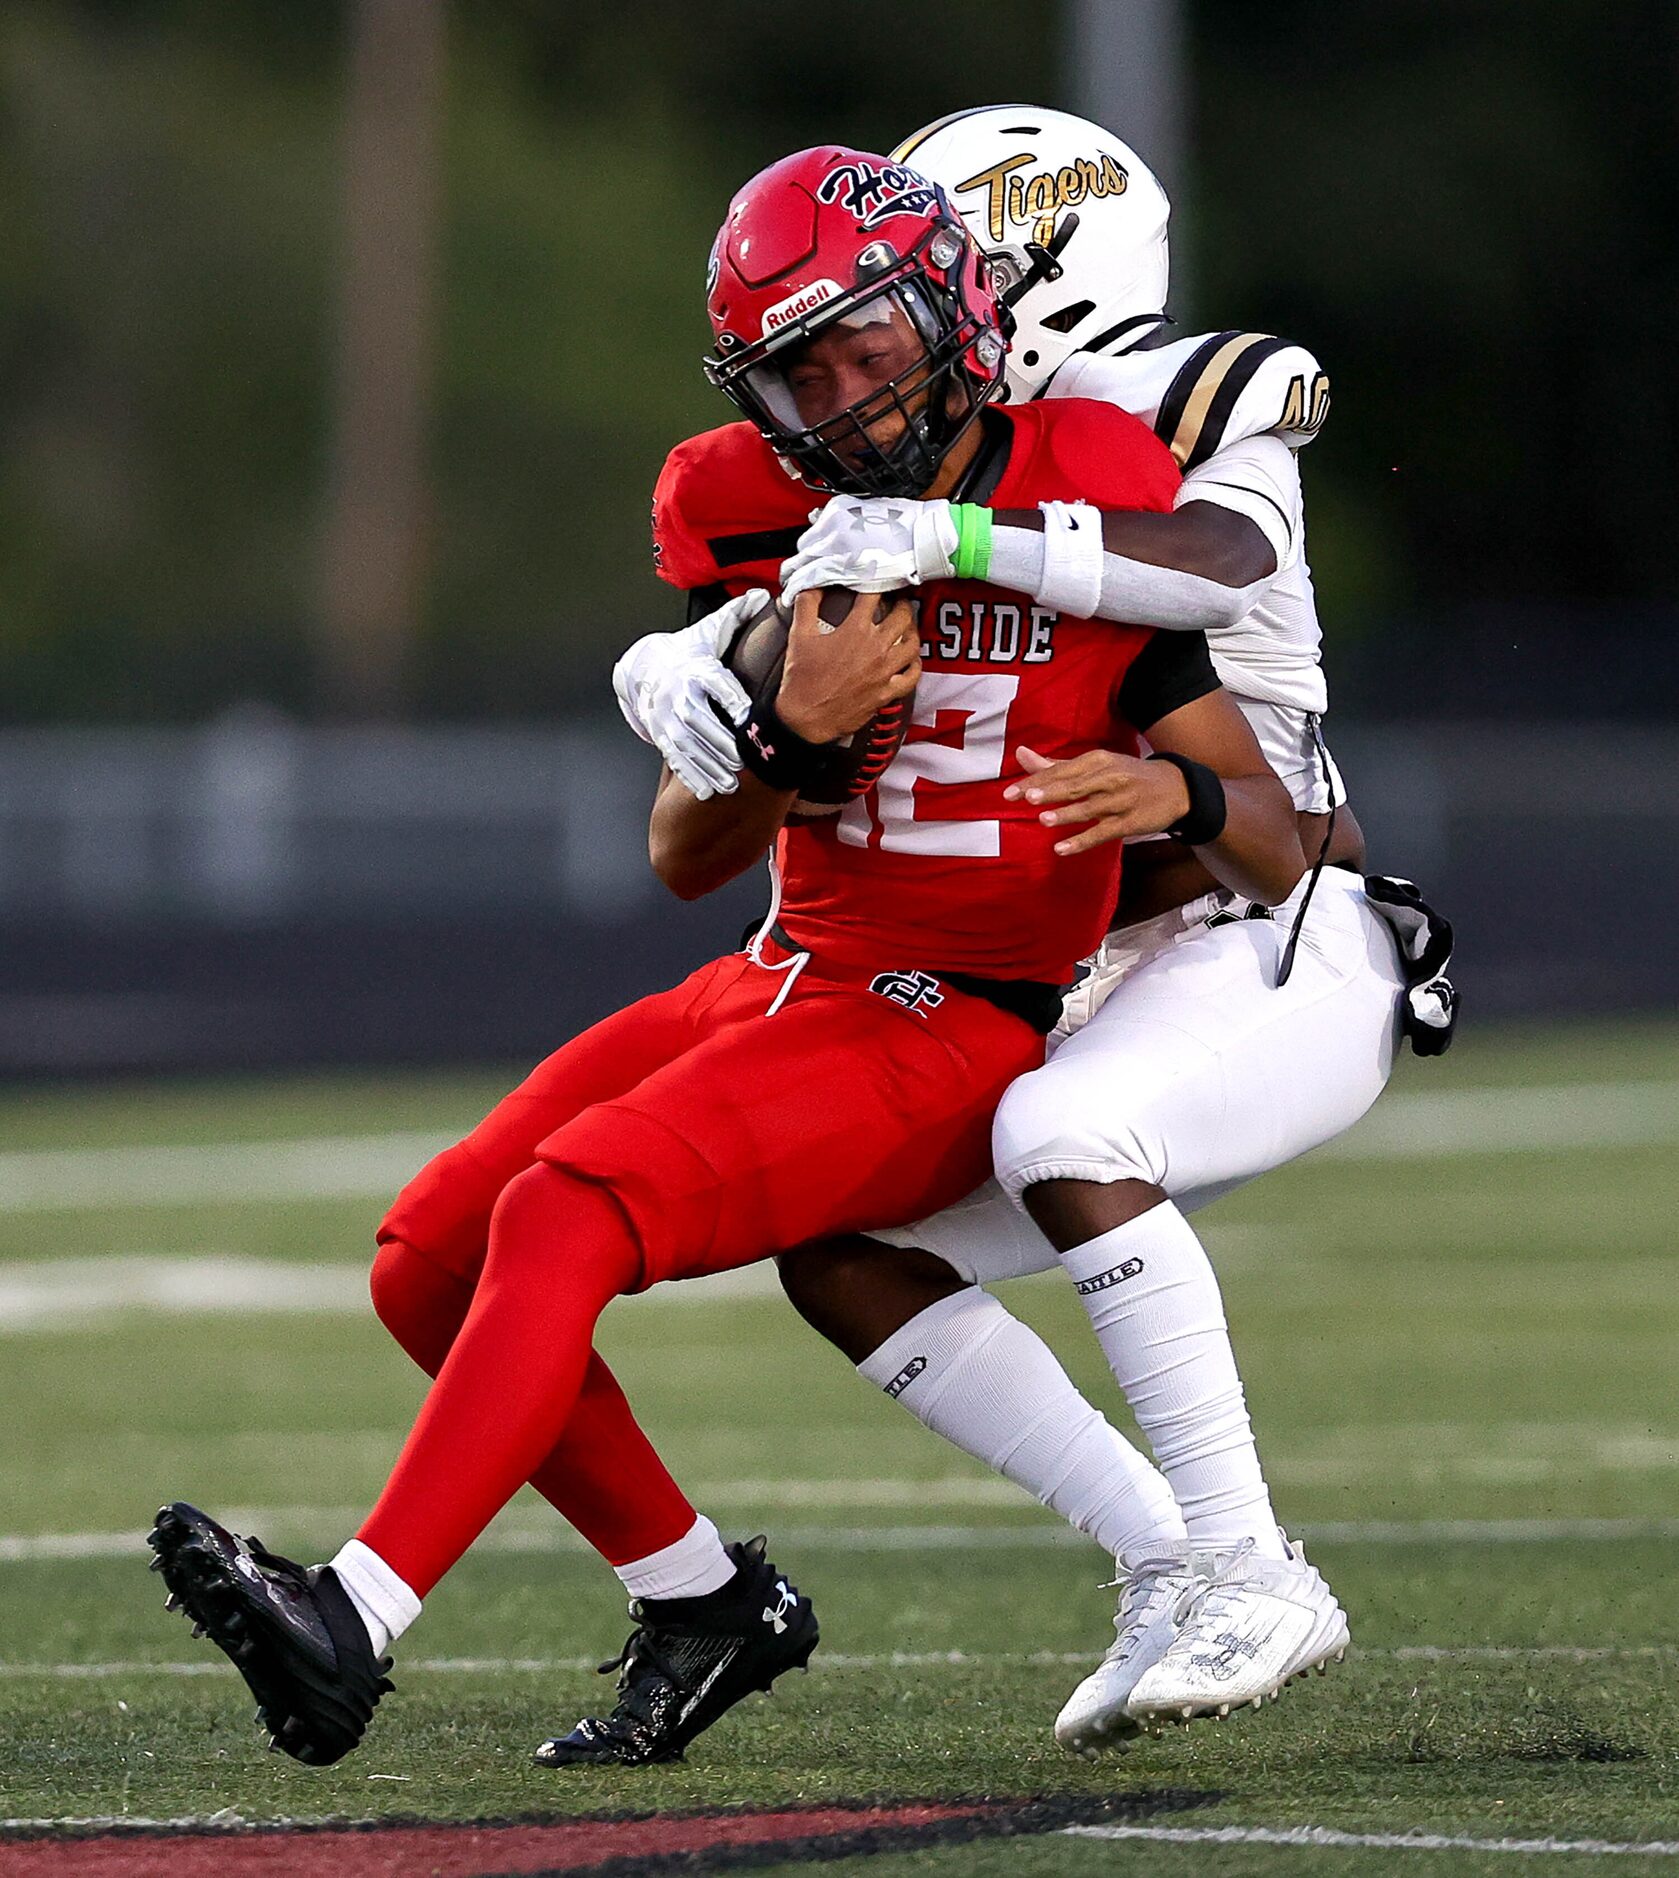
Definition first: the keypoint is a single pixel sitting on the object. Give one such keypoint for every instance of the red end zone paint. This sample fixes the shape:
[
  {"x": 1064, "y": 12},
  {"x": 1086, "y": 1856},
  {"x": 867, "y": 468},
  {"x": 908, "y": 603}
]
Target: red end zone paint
[{"x": 467, "y": 1851}]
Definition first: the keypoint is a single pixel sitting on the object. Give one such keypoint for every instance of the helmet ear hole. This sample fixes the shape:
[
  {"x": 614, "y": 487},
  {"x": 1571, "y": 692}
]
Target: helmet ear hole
[
  {"x": 1068, "y": 317},
  {"x": 1028, "y": 358}
]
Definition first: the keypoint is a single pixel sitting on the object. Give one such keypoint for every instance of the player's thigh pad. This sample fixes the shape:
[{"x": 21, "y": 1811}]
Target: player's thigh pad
[
  {"x": 444, "y": 1211},
  {"x": 841, "y": 1111},
  {"x": 983, "y": 1238},
  {"x": 1200, "y": 1072}
]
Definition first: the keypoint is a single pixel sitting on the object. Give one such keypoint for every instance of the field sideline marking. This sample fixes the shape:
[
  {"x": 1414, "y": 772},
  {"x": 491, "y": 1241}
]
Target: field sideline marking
[
  {"x": 354, "y": 1167},
  {"x": 1329, "y": 1839},
  {"x": 28, "y": 1548},
  {"x": 1309, "y": 1836},
  {"x": 892, "y": 1659}
]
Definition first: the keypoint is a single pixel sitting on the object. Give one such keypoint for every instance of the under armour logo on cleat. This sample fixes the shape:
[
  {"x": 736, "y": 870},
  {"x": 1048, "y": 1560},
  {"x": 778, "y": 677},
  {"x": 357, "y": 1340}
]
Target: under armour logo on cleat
[
  {"x": 786, "y": 1599},
  {"x": 1232, "y": 1650}
]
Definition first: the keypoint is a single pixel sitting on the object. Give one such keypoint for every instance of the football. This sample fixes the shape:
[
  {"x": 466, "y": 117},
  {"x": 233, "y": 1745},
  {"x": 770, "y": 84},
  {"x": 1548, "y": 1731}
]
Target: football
[{"x": 854, "y": 763}]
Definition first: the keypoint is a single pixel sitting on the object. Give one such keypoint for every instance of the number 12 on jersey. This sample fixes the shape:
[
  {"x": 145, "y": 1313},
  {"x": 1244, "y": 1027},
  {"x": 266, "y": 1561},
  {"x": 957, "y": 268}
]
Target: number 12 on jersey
[{"x": 967, "y": 715}]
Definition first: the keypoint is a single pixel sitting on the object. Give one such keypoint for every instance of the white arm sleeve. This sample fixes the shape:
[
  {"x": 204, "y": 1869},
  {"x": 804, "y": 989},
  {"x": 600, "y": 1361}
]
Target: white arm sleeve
[{"x": 1257, "y": 477}]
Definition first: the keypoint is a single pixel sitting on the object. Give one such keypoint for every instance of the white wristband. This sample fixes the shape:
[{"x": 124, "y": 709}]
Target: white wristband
[{"x": 1072, "y": 577}]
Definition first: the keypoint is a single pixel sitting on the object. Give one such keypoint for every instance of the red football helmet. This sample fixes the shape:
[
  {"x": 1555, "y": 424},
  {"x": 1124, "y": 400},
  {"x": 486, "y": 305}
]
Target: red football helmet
[{"x": 837, "y": 237}]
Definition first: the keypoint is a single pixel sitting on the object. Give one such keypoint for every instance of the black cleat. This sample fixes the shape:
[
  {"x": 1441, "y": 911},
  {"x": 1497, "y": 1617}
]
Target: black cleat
[
  {"x": 292, "y": 1634},
  {"x": 688, "y": 1662}
]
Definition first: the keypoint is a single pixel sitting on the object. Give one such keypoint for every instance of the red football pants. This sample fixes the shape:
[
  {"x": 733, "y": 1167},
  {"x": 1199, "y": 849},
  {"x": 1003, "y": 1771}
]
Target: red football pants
[
  {"x": 749, "y": 1129},
  {"x": 434, "y": 1241}
]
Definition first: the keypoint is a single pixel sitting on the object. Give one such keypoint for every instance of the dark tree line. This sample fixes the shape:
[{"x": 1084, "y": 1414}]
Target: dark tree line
[{"x": 1468, "y": 211}]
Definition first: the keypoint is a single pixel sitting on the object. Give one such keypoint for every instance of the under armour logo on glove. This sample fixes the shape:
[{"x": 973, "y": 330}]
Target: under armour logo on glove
[
  {"x": 1429, "y": 1018},
  {"x": 915, "y": 991},
  {"x": 776, "y": 1615}
]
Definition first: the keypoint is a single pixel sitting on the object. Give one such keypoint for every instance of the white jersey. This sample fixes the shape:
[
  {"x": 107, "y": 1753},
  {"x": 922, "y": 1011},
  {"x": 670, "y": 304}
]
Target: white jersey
[{"x": 1233, "y": 407}]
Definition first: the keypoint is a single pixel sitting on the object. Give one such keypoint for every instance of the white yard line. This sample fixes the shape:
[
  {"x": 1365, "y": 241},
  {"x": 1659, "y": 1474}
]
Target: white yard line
[
  {"x": 225, "y": 1821},
  {"x": 56, "y": 1294},
  {"x": 354, "y": 1167},
  {"x": 73, "y": 1293},
  {"x": 1568, "y": 1116},
  {"x": 518, "y": 1537},
  {"x": 212, "y": 1665},
  {"x": 231, "y": 1173},
  {"x": 1325, "y": 1838}
]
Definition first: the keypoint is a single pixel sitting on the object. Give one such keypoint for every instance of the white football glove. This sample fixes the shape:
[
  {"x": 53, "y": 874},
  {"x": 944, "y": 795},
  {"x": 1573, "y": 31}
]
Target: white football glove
[
  {"x": 667, "y": 685},
  {"x": 872, "y": 544}
]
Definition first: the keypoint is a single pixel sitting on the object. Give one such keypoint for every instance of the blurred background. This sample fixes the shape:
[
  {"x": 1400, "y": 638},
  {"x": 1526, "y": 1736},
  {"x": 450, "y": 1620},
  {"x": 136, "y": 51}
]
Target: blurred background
[{"x": 340, "y": 344}]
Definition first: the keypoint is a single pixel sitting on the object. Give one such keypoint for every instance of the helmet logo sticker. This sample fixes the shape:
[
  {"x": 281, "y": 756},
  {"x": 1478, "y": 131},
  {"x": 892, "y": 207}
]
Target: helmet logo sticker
[
  {"x": 797, "y": 305},
  {"x": 872, "y": 193},
  {"x": 1011, "y": 198}
]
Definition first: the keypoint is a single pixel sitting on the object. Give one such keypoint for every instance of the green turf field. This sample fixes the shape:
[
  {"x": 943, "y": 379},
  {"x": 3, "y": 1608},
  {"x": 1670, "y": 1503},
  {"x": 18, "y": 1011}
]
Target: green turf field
[{"x": 1452, "y": 1333}]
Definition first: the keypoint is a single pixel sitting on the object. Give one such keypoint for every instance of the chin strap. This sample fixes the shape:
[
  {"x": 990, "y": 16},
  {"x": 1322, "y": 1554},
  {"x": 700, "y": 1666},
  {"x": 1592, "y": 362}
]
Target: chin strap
[
  {"x": 1044, "y": 262},
  {"x": 1293, "y": 945}
]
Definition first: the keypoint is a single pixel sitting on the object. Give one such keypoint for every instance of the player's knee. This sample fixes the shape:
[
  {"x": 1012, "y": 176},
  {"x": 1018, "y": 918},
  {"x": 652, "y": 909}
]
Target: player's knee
[
  {"x": 419, "y": 1303},
  {"x": 444, "y": 1212},
  {"x": 856, "y": 1292},
  {"x": 1050, "y": 1127},
  {"x": 551, "y": 1228},
  {"x": 1069, "y": 1213}
]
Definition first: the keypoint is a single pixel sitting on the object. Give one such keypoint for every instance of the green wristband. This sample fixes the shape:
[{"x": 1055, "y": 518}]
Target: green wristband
[{"x": 972, "y": 560}]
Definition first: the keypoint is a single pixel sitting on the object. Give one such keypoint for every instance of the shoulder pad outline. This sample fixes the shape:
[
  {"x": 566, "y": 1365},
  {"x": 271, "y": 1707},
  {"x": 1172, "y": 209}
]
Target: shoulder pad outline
[{"x": 1235, "y": 385}]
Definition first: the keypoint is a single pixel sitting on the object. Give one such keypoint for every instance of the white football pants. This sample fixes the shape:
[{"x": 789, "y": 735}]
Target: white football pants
[{"x": 1189, "y": 1067}]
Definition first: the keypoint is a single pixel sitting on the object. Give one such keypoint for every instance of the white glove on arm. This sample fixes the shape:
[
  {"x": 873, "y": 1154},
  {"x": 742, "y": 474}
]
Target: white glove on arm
[
  {"x": 872, "y": 544},
  {"x": 667, "y": 686}
]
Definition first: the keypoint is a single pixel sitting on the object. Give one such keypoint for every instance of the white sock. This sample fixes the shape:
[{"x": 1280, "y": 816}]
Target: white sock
[
  {"x": 690, "y": 1568},
  {"x": 1155, "y": 1306},
  {"x": 384, "y": 1601},
  {"x": 972, "y": 1373}
]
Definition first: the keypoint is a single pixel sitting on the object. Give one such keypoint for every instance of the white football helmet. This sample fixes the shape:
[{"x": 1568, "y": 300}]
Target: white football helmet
[{"x": 1014, "y": 172}]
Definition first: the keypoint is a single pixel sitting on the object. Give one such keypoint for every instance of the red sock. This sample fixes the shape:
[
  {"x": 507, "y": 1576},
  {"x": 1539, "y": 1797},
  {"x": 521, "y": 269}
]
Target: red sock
[
  {"x": 560, "y": 1250},
  {"x": 423, "y": 1307}
]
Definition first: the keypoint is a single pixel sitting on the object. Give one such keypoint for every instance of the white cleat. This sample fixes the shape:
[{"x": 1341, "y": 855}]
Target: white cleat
[
  {"x": 1156, "y": 1590},
  {"x": 1256, "y": 1624}
]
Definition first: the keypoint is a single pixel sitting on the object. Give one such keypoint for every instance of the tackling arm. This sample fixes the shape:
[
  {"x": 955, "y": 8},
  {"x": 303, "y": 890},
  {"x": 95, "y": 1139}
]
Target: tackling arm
[
  {"x": 1234, "y": 815},
  {"x": 1199, "y": 567},
  {"x": 1257, "y": 852}
]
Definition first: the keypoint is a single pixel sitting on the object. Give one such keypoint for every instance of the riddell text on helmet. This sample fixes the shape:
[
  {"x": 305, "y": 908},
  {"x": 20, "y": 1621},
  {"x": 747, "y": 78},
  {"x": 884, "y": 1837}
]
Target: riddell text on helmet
[{"x": 797, "y": 305}]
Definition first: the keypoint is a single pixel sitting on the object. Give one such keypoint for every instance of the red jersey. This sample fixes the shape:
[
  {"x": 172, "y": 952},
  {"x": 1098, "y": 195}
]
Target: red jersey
[{"x": 932, "y": 868}]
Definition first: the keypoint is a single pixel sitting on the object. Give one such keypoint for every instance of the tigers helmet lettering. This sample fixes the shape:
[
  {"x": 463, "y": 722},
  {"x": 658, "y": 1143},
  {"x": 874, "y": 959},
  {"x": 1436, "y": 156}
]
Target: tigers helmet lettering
[
  {"x": 837, "y": 238},
  {"x": 1015, "y": 174}
]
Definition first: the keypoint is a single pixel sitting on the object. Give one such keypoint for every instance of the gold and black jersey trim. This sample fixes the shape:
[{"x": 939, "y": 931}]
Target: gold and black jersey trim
[{"x": 1198, "y": 402}]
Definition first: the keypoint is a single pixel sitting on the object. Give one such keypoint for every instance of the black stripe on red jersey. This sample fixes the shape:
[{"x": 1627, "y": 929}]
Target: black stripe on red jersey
[
  {"x": 1236, "y": 381},
  {"x": 996, "y": 445},
  {"x": 1180, "y": 390},
  {"x": 768, "y": 544},
  {"x": 1172, "y": 670}
]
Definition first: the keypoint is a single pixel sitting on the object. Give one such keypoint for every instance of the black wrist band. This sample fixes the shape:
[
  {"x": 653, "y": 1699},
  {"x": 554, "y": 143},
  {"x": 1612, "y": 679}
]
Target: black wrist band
[
  {"x": 1208, "y": 809},
  {"x": 773, "y": 753}
]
